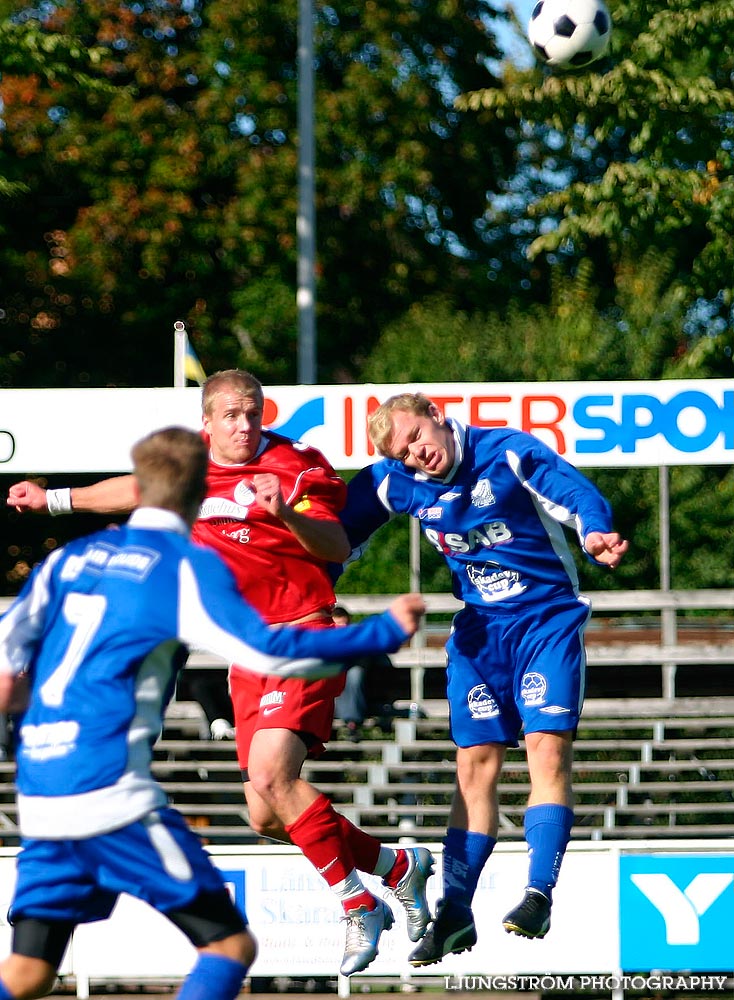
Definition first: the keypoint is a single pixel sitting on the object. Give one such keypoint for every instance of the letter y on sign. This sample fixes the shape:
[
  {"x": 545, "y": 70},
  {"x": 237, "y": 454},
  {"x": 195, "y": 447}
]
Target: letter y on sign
[{"x": 680, "y": 909}]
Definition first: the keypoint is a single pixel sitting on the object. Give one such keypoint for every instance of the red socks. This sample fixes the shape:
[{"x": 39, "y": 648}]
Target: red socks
[
  {"x": 323, "y": 837},
  {"x": 318, "y": 834}
]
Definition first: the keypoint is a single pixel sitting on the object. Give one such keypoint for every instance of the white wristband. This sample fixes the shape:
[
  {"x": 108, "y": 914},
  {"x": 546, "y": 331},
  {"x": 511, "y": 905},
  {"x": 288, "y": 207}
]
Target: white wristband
[{"x": 58, "y": 501}]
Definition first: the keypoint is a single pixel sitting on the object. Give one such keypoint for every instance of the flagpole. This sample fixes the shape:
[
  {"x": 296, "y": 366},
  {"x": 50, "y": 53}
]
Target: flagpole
[
  {"x": 306, "y": 220},
  {"x": 179, "y": 354}
]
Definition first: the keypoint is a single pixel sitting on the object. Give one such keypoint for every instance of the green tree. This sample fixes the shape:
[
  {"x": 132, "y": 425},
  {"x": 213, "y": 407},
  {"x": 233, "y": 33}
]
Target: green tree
[
  {"x": 173, "y": 195},
  {"x": 634, "y": 156},
  {"x": 639, "y": 335},
  {"x": 573, "y": 337}
]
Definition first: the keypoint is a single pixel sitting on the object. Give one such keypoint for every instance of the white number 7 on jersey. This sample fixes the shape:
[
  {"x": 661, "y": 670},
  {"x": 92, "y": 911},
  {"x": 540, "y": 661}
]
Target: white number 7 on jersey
[{"x": 84, "y": 612}]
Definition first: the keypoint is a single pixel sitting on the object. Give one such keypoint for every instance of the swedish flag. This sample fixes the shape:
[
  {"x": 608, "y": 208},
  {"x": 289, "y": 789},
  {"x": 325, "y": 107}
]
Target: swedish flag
[{"x": 192, "y": 366}]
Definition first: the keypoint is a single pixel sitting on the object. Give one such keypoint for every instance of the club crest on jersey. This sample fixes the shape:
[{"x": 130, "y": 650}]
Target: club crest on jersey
[
  {"x": 533, "y": 688},
  {"x": 481, "y": 703},
  {"x": 482, "y": 495},
  {"x": 244, "y": 493},
  {"x": 493, "y": 582}
]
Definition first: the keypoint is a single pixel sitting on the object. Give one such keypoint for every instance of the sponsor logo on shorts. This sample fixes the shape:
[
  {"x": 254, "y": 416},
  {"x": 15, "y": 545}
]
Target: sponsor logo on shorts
[
  {"x": 555, "y": 710},
  {"x": 272, "y": 701},
  {"x": 533, "y": 688},
  {"x": 481, "y": 703}
]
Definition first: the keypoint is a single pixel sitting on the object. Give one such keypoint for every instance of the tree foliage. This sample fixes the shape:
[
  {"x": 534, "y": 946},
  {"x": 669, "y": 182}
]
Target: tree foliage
[
  {"x": 475, "y": 220},
  {"x": 173, "y": 193},
  {"x": 635, "y": 156},
  {"x": 573, "y": 337}
]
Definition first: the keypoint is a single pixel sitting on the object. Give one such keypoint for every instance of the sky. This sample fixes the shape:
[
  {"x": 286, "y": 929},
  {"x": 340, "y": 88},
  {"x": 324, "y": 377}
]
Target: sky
[{"x": 514, "y": 47}]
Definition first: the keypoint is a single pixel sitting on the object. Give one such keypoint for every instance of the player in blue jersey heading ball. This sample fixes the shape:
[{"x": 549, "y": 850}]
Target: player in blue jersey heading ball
[
  {"x": 495, "y": 502},
  {"x": 89, "y": 651}
]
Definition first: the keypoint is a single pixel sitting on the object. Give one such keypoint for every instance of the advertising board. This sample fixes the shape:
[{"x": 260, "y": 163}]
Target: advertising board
[{"x": 592, "y": 424}]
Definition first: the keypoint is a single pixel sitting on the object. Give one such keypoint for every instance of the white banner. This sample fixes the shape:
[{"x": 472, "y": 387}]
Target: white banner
[
  {"x": 592, "y": 424},
  {"x": 619, "y": 908}
]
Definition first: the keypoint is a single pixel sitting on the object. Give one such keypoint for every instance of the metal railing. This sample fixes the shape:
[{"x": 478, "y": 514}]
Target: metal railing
[{"x": 669, "y": 639}]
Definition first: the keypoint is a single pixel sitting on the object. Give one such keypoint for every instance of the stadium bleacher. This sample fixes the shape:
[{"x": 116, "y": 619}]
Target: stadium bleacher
[{"x": 645, "y": 766}]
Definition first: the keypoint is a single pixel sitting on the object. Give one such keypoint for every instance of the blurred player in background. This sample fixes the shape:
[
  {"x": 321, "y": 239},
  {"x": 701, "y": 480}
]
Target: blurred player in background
[
  {"x": 366, "y": 688},
  {"x": 493, "y": 502},
  {"x": 95, "y": 639},
  {"x": 272, "y": 512}
]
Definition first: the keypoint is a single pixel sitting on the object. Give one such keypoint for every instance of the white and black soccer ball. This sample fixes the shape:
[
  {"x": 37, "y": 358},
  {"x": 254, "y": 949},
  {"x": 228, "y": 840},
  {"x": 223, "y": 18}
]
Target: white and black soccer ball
[{"x": 569, "y": 34}]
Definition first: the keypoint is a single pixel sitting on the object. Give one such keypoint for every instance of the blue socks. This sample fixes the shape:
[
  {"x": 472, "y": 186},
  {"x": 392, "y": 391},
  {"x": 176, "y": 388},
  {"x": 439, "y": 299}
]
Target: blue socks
[
  {"x": 547, "y": 832},
  {"x": 464, "y": 856},
  {"x": 214, "y": 977}
]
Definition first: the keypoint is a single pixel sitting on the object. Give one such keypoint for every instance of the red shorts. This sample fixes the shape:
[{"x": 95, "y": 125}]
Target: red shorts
[{"x": 262, "y": 702}]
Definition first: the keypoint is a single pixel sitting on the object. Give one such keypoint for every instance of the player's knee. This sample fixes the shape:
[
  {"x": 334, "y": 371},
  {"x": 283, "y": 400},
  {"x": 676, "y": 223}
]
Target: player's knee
[
  {"x": 248, "y": 949},
  {"x": 27, "y": 978},
  {"x": 550, "y": 754},
  {"x": 479, "y": 768},
  {"x": 271, "y": 785},
  {"x": 240, "y": 947},
  {"x": 262, "y": 816}
]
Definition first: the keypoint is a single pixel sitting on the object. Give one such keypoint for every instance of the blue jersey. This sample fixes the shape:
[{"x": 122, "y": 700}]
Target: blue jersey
[
  {"x": 498, "y": 517},
  {"x": 99, "y": 628}
]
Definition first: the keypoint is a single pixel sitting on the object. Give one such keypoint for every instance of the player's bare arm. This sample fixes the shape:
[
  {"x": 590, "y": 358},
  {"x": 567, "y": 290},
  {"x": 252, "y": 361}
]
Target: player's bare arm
[
  {"x": 408, "y": 609},
  {"x": 109, "y": 496},
  {"x": 14, "y": 692},
  {"x": 320, "y": 538},
  {"x": 606, "y": 547}
]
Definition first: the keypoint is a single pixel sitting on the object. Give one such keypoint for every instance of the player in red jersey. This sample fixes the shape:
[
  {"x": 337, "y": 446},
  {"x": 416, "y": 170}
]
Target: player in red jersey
[{"x": 272, "y": 512}]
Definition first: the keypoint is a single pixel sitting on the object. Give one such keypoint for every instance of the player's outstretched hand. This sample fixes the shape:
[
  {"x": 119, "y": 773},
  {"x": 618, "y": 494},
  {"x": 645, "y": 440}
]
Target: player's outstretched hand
[
  {"x": 408, "y": 609},
  {"x": 27, "y": 496},
  {"x": 607, "y": 548}
]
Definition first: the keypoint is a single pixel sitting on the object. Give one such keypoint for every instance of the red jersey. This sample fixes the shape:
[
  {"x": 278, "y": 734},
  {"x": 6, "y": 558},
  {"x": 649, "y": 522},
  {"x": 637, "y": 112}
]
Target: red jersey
[{"x": 273, "y": 570}]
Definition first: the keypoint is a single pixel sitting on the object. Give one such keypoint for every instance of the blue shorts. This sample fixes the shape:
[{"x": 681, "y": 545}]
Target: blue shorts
[
  {"x": 513, "y": 672},
  {"x": 157, "y": 859}
]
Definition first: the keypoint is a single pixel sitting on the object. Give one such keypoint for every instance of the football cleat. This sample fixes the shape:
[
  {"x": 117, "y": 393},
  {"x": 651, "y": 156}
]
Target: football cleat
[
  {"x": 364, "y": 928},
  {"x": 531, "y": 917},
  {"x": 451, "y": 932},
  {"x": 411, "y": 890}
]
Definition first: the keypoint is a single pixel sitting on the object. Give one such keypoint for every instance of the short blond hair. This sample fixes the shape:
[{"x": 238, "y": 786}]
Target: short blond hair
[
  {"x": 170, "y": 466},
  {"x": 380, "y": 425},
  {"x": 233, "y": 379}
]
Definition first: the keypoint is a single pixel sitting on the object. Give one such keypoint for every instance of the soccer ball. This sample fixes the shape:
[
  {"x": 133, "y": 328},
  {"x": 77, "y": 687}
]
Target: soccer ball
[{"x": 569, "y": 34}]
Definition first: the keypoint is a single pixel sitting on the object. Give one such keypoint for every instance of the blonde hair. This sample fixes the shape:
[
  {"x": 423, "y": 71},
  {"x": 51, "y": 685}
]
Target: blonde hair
[
  {"x": 241, "y": 382},
  {"x": 380, "y": 425},
  {"x": 170, "y": 466}
]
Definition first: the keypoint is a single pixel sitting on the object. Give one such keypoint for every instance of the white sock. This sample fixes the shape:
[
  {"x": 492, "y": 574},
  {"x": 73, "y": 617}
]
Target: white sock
[
  {"x": 385, "y": 861},
  {"x": 350, "y": 887}
]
